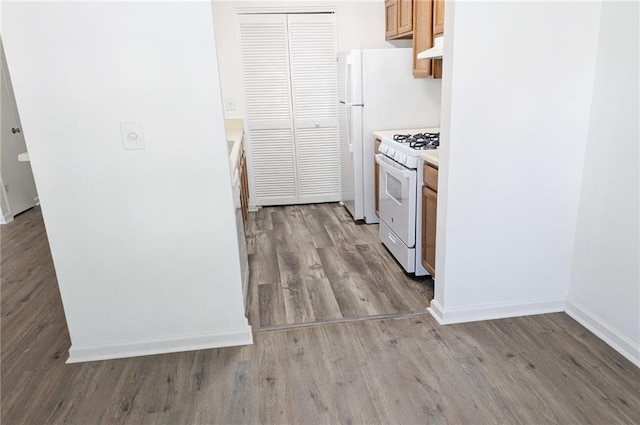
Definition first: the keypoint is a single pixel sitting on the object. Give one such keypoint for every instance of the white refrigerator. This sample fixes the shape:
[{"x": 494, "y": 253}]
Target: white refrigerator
[{"x": 377, "y": 91}]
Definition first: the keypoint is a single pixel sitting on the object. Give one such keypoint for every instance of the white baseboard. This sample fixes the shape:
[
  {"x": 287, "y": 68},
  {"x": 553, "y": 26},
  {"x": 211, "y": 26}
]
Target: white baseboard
[
  {"x": 603, "y": 330},
  {"x": 6, "y": 218},
  {"x": 436, "y": 311},
  {"x": 495, "y": 311},
  {"x": 160, "y": 346}
]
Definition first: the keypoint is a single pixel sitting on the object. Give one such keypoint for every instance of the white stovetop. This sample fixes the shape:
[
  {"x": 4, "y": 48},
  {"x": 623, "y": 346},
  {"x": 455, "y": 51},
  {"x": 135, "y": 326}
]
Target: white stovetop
[
  {"x": 401, "y": 152},
  {"x": 382, "y": 134}
]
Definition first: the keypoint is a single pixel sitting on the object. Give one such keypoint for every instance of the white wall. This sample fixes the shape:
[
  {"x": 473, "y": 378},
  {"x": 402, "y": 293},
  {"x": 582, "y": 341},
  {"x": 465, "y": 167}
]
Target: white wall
[
  {"x": 516, "y": 93},
  {"x": 143, "y": 241},
  {"x": 360, "y": 25},
  {"x": 5, "y": 210},
  {"x": 604, "y": 293}
]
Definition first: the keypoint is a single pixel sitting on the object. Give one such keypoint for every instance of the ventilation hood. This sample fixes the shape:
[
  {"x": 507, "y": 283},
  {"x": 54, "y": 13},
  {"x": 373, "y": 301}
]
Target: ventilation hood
[{"x": 435, "y": 52}]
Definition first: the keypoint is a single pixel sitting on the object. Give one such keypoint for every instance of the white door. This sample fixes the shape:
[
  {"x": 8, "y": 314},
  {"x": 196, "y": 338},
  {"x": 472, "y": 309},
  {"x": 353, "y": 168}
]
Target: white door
[
  {"x": 289, "y": 72},
  {"x": 312, "y": 56},
  {"x": 16, "y": 175},
  {"x": 265, "y": 63}
]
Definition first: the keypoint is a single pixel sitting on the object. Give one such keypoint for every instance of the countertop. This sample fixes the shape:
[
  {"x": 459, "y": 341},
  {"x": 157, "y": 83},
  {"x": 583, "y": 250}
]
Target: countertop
[
  {"x": 432, "y": 157},
  {"x": 235, "y": 130}
]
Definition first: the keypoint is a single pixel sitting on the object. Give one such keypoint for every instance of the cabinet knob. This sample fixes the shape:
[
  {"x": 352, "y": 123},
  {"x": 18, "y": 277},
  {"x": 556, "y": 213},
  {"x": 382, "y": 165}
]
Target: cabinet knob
[{"x": 15, "y": 130}]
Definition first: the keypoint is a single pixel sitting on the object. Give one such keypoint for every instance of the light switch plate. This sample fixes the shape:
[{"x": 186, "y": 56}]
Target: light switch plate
[{"x": 132, "y": 135}]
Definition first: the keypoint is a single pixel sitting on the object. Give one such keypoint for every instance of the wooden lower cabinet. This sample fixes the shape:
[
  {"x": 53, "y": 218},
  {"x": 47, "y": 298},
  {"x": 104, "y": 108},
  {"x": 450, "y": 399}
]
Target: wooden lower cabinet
[
  {"x": 244, "y": 187},
  {"x": 376, "y": 174},
  {"x": 429, "y": 212}
]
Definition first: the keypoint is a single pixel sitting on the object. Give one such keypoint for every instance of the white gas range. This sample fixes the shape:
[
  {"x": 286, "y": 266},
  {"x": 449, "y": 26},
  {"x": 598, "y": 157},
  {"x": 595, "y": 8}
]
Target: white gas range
[{"x": 400, "y": 184}]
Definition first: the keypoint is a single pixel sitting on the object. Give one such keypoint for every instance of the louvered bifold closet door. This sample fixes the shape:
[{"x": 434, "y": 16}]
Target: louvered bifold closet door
[
  {"x": 312, "y": 51},
  {"x": 265, "y": 61}
]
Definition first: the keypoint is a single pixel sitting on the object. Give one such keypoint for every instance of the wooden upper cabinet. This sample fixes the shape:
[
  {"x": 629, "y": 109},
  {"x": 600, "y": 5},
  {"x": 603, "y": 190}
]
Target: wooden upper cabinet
[
  {"x": 438, "y": 31},
  {"x": 398, "y": 19},
  {"x": 428, "y": 22},
  {"x": 391, "y": 18},
  {"x": 438, "y": 17},
  {"x": 422, "y": 36},
  {"x": 405, "y": 17}
]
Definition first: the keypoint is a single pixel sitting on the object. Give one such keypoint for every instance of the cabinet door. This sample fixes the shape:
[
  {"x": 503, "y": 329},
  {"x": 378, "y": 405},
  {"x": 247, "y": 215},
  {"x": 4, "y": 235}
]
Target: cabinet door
[
  {"x": 289, "y": 64},
  {"x": 438, "y": 31},
  {"x": 422, "y": 36},
  {"x": 438, "y": 17},
  {"x": 244, "y": 188},
  {"x": 312, "y": 50},
  {"x": 429, "y": 209},
  {"x": 271, "y": 148},
  {"x": 436, "y": 68},
  {"x": 405, "y": 17},
  {"x": 376, "y": 169},
  {"x": 391, "y": 18}
]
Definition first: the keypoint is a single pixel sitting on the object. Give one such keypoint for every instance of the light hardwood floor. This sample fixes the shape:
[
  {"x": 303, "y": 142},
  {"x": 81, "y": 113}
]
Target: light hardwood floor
[
  {"x": 313, "y": 263},
  {"x": 532, "y": 370}
]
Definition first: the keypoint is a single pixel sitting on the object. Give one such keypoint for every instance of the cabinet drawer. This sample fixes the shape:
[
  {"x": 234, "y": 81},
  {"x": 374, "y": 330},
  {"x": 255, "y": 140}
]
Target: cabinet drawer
[{"x": 430, "y": 177}]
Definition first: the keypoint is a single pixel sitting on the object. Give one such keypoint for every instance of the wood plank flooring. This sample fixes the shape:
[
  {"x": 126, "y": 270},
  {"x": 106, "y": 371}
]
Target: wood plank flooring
[
  {"x": 313, "y": 263},
  {"x": 533, "y": 370}
]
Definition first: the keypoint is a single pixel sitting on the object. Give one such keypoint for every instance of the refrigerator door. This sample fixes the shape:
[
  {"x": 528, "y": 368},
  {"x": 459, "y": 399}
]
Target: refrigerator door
[
  {"x": 350, "y": 77},
  {"x": 351, "y": 159},
  {"x": 350, "y": 123}
]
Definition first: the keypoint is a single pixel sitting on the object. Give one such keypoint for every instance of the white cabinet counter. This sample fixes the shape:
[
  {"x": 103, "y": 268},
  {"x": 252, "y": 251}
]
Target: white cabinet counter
[
  {"x": 235, "y": 132},
  {"x": 432, "y": 157}
]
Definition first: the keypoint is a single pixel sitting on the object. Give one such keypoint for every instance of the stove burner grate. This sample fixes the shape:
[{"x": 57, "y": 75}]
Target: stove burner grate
[
  {"x": 402, "y": 138},
  {"x": 419, "y": 141}
]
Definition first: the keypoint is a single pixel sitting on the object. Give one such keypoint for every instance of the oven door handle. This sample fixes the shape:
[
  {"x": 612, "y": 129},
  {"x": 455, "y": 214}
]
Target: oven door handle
[{"x": 394, "y": 170}]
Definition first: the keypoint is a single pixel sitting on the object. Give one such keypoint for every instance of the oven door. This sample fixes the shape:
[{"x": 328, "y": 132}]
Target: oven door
[{"x": 397, "y": 191}]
